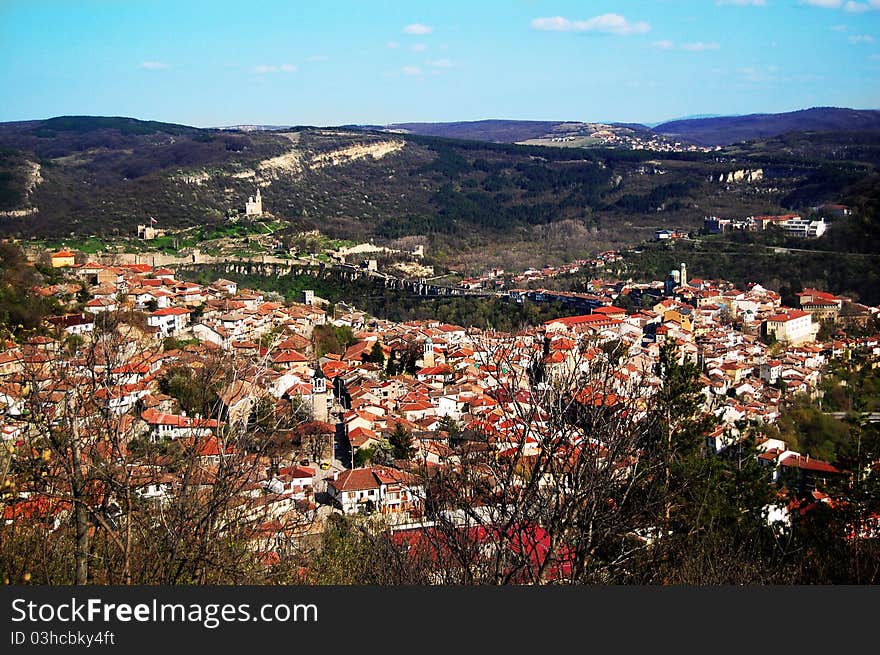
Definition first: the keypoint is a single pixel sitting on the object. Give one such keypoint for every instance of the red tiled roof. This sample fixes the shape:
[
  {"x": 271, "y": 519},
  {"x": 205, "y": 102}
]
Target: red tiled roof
[
  {"x": 289, "y": 357},
  {"x": 788, "y": 316},
  {"x": 355, "y": 480},
  {"x": 171, "y": 311},
  {"x": 153, "y": 417},
  {"x": 809, "y": 464}
]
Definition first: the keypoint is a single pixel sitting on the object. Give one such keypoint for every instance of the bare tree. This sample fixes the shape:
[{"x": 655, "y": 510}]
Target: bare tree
[
  {"x": 558, "y": 493},
  {"x": 93, "y": 480}
]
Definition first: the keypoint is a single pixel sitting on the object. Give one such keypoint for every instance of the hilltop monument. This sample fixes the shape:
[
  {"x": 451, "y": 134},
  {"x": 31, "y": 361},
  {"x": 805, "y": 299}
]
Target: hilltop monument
[{"x": 254, "y": 205}]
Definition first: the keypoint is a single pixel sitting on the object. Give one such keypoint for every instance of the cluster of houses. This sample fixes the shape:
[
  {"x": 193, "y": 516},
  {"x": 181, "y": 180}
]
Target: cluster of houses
[
  {"x": 792, "y": 224},
  {"x": 475, "y": 380}
]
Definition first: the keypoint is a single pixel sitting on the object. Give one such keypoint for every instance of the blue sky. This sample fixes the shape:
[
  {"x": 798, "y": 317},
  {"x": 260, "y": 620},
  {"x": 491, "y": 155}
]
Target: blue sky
[{"x": 358, "y": 61}]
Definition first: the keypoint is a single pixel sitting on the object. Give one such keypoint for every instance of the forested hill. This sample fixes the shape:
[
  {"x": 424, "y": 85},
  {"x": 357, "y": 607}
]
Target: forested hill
[
  {"x": 724, "y": 130},
  {"x": 470, "y": 202},
  {"x": 500, "y": 131}
]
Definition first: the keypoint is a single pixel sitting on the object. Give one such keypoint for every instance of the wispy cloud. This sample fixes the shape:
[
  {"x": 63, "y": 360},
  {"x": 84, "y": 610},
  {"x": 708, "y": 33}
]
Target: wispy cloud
[
  {"x": 418, "y": 47},
  {"x": 838, "y": 28},
  {"x": 700, "y": 46},
  {"x": 393, "y": 45},
  {"x": 318, "y": 58},
  {"x": 412, "y": 71},
  {"x": 851, "y": 6},
  {"x": 417, "y": 28},
  {"x": 440, "y": 63},
  {"x": 742, "y": 3},
  {"x": 861, "y": 38},
  {"x": 825, "y": 4},
  {"x": 264, "y": 69},
  {"x": 697, "y": 46},
  {"x": 754, "y": 75},
  {"x": 153, "y": 66},
  {"x": 606, "y": 23}
]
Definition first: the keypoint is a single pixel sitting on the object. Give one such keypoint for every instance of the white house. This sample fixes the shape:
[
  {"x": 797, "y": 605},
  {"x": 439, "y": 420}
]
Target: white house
[
  {"x": 213, "y": 334},
  {"x": 172, "y": 426},
  {"x": 170, "y": 321},
  {"x": 394, "y": 493}
]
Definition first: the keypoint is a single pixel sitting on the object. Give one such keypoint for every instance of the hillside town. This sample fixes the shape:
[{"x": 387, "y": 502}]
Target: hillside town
[{"x": 368, "y": 423}]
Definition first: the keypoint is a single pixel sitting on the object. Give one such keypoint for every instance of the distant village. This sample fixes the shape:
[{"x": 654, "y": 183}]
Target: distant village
[{"x": 753, "y": 354}]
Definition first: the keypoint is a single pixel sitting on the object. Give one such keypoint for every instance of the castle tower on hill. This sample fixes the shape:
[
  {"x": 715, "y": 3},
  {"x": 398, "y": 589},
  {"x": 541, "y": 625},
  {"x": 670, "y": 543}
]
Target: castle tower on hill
[
  {"x": 683, "y": 278},
  {"x": 254, "y": 205}
]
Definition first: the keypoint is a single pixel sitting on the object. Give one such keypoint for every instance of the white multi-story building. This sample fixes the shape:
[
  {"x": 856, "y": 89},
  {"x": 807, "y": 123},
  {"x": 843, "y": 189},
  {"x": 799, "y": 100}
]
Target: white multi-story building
[
  {"x": 804, "y": 227},
  {"x": 794, "y": 326},
  {"x": 170, "y": 321}
]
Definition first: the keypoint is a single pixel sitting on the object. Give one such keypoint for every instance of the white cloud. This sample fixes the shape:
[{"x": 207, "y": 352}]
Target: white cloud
[
  {"x": 825, "y": 4},
  {"x": 318, "y": 58},
  {"x": 264, "y": 69},
  {"x": 392, "y": 44},
  {"x": 861, "y": 38},
  {"x": 440, "y": 63},
  {"x": 742, "y": 3},
  {"x": 417, "y": 28},
  {"x": 153, "y": 66},
  {"x": 418, "y": 47},
  {"x": 874, "y": 57},
  {"x": 851, "y": 6},
  {"x": 700, "y": 46},
  {"x": 606, "y": 23},
  {"x": 697, "y": 46},
  {"x": 838, "y": 28},
  {"x": 412, "y": 71}
]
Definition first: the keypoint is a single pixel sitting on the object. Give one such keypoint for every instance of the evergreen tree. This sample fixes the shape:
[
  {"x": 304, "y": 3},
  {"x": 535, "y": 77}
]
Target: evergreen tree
[
  {"x": 401, "y": 443},
  {"x": 377, "y": 355},
  {"x": 452, "y": 429},
  {"x": 676, "y": 428}
]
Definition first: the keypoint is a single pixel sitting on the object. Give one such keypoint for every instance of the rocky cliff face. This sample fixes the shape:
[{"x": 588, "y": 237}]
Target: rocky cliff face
[
  {"x": 742, "y": 175},
  {"x": 355, "y": 152}
]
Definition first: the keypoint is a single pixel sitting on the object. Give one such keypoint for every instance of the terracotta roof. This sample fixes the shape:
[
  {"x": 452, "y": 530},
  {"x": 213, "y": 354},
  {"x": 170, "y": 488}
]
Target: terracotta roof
[
  {"x": 171, "y": 311},
  {"x": 788, "y": 316},
  {"x": 809, "y": 464},
  {"x": 153, "y": 417},
  {"x": 355, "y": 480},
  {"x": 289, "y": 357}
]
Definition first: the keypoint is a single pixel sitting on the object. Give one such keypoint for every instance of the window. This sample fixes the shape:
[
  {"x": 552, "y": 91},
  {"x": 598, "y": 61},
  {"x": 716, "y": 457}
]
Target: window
[{"x": 349, "y": 495}]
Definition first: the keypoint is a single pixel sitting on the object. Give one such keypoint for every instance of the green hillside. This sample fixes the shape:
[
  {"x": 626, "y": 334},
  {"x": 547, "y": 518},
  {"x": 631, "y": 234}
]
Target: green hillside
[{"x": 471, "y": 202}]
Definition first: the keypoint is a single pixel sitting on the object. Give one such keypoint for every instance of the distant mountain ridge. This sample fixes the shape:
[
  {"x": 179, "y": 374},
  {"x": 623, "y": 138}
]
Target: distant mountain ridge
[
  {"x": 497, "y": 130},
  {"x": 725, "y": 130},
  {"x": 503, "y": 130},
  {"x": 699, "y": 129},
  {"x": 578, "y": 187}
]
